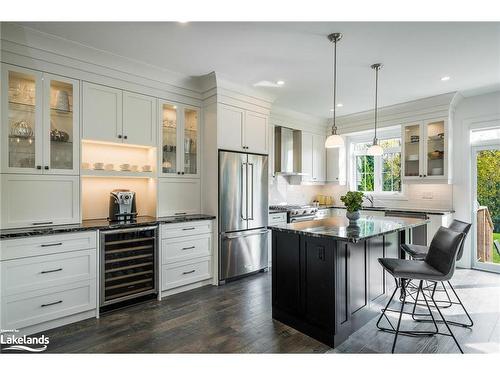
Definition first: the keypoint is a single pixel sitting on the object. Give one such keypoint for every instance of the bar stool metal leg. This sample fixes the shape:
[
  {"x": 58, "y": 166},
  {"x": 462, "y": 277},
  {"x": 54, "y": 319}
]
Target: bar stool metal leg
[{"x": 400, "y": 315}]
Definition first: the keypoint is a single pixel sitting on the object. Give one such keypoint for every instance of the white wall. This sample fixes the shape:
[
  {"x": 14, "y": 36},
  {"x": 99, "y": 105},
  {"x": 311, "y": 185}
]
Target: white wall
[{"x": 471, "y": 112}]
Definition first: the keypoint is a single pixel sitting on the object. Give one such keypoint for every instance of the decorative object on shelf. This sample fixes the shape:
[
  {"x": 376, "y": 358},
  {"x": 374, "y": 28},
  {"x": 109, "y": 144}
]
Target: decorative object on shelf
[
  {"x": 436, "y": 171},
  {"x": 59, "y": 136},
  {"x": 375, "y": 149},
  {"x": 85, "y": 165},
  {"x": 147, "y": 168},
  {"x": 21, "y": 129},
  {"x": 125, "y": 167},
  {"x": 436, "y": 155},
  {"x": 334, "y": 140},
  {"x": 99, "y": 166},
  {"x": 109, "y": 167},
  {"x": 62, "y": 101},
  {"x": 414, "y": 139},
  {"x": 134, "y": 168},
  {"x": 353, "y": 202}
]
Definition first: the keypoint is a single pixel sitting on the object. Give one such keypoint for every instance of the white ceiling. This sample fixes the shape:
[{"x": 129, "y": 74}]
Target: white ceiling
[{"x": 415, "y": 56}]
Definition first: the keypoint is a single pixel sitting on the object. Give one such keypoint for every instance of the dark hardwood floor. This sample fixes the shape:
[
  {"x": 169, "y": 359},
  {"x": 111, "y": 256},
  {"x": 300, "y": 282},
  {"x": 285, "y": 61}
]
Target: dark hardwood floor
[{"x": 236, "y": 318}]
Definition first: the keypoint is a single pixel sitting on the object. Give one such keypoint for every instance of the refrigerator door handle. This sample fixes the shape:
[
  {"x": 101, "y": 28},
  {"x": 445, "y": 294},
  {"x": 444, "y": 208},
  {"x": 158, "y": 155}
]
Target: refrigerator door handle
[
  {"x": 253, "y": 233},
  {"x": 244, "y": 189},
  {"x": 252, "y": 194}
]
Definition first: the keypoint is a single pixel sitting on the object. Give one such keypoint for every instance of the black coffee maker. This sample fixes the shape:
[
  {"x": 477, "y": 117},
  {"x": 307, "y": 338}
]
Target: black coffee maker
[{"x": 122, "y": 205}]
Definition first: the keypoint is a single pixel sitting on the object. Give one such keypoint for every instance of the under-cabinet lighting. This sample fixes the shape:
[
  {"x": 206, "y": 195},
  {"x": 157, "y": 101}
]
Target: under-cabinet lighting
[{"x": 445, "y": 78}]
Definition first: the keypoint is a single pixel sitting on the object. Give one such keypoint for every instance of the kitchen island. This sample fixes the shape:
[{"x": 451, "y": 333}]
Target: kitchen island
[{"x": 326, "y": 278}]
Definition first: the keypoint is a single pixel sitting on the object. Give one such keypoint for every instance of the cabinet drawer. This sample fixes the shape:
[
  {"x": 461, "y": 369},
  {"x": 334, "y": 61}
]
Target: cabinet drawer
[
  {"x": 44, "y": 245},
  {"x": 278, "y": 218},
  {"x": 185, "y": 273},
  {"x": 184, "y": 248},
  {"x": 34, "y": 273},
  {"x": 23, "y": 310},
  {"x": 191, "y": 228}
]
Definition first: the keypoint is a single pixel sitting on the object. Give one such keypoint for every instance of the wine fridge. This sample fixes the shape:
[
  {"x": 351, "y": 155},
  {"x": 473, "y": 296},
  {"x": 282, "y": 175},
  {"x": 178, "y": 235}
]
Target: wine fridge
[{"x": 128, "y": 263}]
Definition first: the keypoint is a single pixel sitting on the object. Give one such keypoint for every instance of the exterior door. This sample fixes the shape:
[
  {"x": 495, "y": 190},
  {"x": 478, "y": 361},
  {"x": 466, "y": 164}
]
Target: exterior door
[
  {"x": 257, "y": 195},
  {"x": 486, "y": 207},
  {"x": 233, "y": 205}
]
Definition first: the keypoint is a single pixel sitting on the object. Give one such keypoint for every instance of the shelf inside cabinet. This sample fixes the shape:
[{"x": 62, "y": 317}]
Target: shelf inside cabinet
[{"x": 125, "y": 174}]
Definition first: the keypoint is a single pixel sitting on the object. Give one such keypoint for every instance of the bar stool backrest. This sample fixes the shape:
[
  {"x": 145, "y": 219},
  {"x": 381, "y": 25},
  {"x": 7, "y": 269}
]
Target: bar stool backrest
[
  {"x": 460, "y": 226},
  {"x": 443, "y": 251}
]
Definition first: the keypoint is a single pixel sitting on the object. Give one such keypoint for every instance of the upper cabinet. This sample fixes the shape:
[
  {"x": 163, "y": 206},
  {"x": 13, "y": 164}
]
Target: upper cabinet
[
  {"x": 335, "y": 165},
  {"x": 243, "y": 130},
  {"x": 313, "y": 157},
  {"x": 118, "y": 116},
  {"x": 40, "y": 122},
  {"x": 425, "y": 151},
  {"x": 180, "y": 135}
]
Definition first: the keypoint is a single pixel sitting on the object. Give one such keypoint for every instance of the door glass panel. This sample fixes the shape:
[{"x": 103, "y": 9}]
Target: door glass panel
[
  {"x": 61, "y": 125},
  {"x": 21, "y": 118},
  {"x": 435, "y": 148},
  {"x": 412, "y": 150},
  {"x": 487, "y": 181},
  {"x": 190, "y": 140},
  {"x": 169, "y": 136}
]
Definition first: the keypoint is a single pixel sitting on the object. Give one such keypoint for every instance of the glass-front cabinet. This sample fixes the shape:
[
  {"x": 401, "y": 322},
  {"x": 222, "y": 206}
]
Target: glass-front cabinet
[
  {"x": 425, "y": 150},
  {"x": 40, "y": 122},
  {"x": 180, "y": 140}
]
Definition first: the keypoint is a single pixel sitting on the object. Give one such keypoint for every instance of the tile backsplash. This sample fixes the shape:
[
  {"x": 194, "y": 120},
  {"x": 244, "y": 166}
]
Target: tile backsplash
[{"x": 433, "y": 196}]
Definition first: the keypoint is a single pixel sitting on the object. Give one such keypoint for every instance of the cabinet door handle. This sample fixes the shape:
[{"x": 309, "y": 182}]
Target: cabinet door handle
[
  {"x": 50, "y": 271},
  {"x": 38, "y": 167},
  {"x": 43, "y": 223},
  {"x": 192, "y": 228},
  {"x": 188, "y": 248},
  {"x": 51, "y": 244},
  {"x": 178, "y": 172},
  {"x": 420, "y": 176},
  {"x": 119, "y": 136},
  {"x": 46, "y": 167},
  {"x": 124, "y": 137},
  {"x": 188, "y": 272},
  {"x": 52, "y": 303},
  {"x": 180, "y": 213},
  {"x": 425, "y": 175},
  {"x": 182, "y": 172}
]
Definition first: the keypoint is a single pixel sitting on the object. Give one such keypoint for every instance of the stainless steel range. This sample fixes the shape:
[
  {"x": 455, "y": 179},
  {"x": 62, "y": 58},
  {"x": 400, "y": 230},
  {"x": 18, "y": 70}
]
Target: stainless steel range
[{"x": 295, "y": 213}]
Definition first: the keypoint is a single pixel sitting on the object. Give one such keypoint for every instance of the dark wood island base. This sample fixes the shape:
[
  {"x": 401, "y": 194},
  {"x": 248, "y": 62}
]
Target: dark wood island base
[{"x": 328, "y": 287}]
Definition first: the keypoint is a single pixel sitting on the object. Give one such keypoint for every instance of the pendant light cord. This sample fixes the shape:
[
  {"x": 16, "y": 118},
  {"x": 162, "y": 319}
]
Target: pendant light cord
[
  {"x": 376, "y": 102},
  {"x": 334, "y": 127}
]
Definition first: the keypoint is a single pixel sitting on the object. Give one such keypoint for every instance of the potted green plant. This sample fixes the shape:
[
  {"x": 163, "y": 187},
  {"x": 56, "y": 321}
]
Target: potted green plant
[{"x": 353, "y": 201}]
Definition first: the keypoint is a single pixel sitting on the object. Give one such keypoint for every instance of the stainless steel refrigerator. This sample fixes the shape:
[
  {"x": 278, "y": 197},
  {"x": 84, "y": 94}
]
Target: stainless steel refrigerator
[{"x": 243, "y": 212}]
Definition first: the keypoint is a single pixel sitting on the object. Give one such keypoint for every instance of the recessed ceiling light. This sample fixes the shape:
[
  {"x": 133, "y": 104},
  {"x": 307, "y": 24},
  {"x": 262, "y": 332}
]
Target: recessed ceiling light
[
  {"x": 281, "y": 83},
  {"x": 340, "y": 105},
  {"x": 183, "y": 21},
  {"x": 445, "y": 78}
]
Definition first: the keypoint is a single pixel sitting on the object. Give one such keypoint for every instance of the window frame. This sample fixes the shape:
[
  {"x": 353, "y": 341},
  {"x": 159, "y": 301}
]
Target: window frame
[{"x": 367, "y": 137}]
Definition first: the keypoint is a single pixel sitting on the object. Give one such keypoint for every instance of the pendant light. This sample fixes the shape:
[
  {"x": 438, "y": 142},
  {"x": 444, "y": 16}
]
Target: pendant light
[
  {"x": 375, "y": 149},
  {"x": 334, "y": 140}
]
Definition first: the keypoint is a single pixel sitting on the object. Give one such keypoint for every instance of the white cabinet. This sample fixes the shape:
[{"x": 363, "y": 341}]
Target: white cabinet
[
  {"x": 114, "y": 115},
  {"x": 335, "y": 165},
  {"x": 48, "y": 281},
  {"x": 242, "y": 130},
  {"x": 313, "y": 157},
  {"x": 40, "y": 122},
  {"x": 139, "y": 119},
  {"x": 30, "y": 200},
  {"x": 277, "y": 218},
  {"x": 186, "y": 255},
  {"x": 179, "y": 155},
  {"x": 425, "y": 151},
  {"x": 178, "y": 196}
]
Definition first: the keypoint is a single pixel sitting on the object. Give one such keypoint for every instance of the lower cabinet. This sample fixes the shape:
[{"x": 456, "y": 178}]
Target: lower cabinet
[
  {"x": 186, "y": 256},
  {"x": 31, "y": 200},
  {"x": 178, "y": 196},
  {"x": 276, "y": 218},
  {"x": 48, "y": 281}
]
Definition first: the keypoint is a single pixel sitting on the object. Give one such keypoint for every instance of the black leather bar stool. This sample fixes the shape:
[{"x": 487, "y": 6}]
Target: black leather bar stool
[
  {"x": 419, "y": 252},
  {"x": 438, "y": 265}
]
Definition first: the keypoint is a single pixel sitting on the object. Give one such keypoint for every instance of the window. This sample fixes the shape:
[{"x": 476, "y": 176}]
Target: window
[{"x": 377, "y": 174}]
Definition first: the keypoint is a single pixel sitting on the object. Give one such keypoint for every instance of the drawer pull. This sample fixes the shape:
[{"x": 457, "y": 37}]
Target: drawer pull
[
  {"x": 180, "y": 213},
  {"x": 52, "y": 303},
  {"x": 188, "y": 272},
  {"x": 51, "y": 244},
  {"x": 188, "y": 248},
  {"x": 50, "y": 271},
  {"x": 192, "y": 228},
  {"x": 43, "y": 223}
]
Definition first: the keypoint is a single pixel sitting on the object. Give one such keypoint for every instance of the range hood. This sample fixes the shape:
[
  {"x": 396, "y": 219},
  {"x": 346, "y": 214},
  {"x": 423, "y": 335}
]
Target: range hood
[{"x": 288, "y": 152}]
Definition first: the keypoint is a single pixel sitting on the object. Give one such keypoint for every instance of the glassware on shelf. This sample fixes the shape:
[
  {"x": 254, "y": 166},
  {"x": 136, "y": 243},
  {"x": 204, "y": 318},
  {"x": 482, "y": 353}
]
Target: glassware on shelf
[
  {"x": 61, "y": 125},
  {"x": 169, "y": 136},
  {"x": 435, "y": 148},
  {"x": 412, "y": 150}
]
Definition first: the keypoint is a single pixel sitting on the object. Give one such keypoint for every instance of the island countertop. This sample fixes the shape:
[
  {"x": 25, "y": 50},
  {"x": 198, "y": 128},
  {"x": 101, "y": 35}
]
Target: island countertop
[{"x": 338, "y": 227}]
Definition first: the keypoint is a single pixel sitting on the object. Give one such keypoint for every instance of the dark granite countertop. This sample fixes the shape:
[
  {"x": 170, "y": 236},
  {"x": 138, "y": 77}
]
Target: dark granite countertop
[
  {"x": 99, "y": 224},
  {"x": 429, "y": 211},
  {"x": 338, "y": 227}
]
